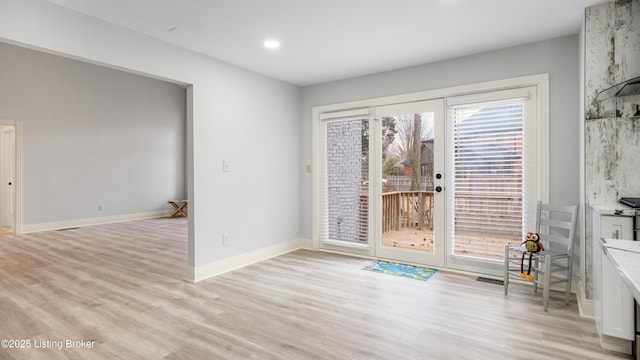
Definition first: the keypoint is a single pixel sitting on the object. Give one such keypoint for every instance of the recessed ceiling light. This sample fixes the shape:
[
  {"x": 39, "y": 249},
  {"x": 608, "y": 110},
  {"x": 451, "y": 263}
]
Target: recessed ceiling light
[{"x": 272, "y": 44}]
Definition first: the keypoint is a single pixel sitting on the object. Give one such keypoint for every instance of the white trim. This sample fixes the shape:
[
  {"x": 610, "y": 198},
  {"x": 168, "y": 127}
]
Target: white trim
[
  {"x": 236, "y": 262},
  {"x": 316, "y": 157},
  {"x": 346, "y": 250},
  {"x": 585, "y": 306},
  {"x": 542, "y": 135},
  {"x": 415, "y": 107},
  {"x": 472, "y": 99},
  {"x": 355, "y": 113},
  {"x": 347, "y": 245},
  {"x": 505, "y": 84},
  {"x": 57, "y": 225},
  {"x": 306, "y": 244},
  {"x": 616, "y": 344}
]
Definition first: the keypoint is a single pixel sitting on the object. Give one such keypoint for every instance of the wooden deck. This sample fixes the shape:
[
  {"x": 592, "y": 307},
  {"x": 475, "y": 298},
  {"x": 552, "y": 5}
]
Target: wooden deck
[
  {"x": 407, "y": 222},
  {"x": 474, "y": 246}
]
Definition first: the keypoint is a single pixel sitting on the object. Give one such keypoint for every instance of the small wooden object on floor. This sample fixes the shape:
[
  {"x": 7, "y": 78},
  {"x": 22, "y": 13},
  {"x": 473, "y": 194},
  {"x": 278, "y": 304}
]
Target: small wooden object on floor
[{"x": 179, "y": 207}]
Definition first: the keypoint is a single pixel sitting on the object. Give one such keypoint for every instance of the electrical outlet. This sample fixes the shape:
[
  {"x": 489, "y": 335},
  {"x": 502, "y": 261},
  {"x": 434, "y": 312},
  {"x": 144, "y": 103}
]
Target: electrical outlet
[
  {"x": 100, "y": 207},
  {"x": 226, "y": 167},
  {"x": 226, "y": 239}
]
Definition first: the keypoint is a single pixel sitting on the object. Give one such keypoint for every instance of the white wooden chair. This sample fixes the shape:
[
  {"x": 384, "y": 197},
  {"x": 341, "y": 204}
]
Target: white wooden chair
[{"x": 556, "y": 226}]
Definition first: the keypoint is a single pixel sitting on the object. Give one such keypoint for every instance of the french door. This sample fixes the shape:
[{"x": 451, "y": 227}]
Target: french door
[
  {"x": 410, "y": 200},
  {"x": 441, "y": 182},
  {"x": 382, "y": 180}
]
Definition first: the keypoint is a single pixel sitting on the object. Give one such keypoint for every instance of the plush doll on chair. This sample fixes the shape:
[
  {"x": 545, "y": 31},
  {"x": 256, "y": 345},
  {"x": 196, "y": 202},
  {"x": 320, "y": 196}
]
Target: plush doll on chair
[{"x": 533, "y": 245}]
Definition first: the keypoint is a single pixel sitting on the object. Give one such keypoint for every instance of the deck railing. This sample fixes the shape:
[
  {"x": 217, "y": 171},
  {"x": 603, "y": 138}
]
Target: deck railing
[{"x": 407, "y": 209}]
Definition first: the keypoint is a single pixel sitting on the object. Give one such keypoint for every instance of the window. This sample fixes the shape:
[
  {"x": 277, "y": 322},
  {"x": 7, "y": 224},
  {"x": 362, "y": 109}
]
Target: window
[
  {"x": 492, "y": 160},
  {"x": 488, "y": 173}
]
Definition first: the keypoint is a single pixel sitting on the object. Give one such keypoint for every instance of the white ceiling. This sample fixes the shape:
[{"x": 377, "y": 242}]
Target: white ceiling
[{"x": 325, "y": 40}]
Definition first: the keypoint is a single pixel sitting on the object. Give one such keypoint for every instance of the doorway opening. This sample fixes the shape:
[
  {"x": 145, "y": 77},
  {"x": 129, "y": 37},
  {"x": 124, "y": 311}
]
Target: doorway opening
[{"x": 10, "y": 170}]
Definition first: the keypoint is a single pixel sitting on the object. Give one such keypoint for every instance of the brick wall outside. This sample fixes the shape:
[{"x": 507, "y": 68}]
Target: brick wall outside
[{"x": 344, "y": 166}]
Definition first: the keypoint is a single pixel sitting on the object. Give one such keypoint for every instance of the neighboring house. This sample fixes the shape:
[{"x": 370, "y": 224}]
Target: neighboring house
[
  {"x": 426, "y": 160},
  {"x": 481, "y": 129},
  {"x": 426, "y": 167}
]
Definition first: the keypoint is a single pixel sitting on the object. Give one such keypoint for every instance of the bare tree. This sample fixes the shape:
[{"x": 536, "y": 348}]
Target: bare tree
[
  {"x": 405, "y": 148},
  {"x": 402, "y": 144},
  {"x": 416, "y": 147}
]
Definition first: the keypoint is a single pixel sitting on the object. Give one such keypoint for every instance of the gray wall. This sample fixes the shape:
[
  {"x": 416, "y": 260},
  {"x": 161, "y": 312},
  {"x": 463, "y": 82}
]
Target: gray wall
[
  {"x": 237, "y": 115},
  {"x": 558, "y": 57},
  {"x": 92, "y": 135}
]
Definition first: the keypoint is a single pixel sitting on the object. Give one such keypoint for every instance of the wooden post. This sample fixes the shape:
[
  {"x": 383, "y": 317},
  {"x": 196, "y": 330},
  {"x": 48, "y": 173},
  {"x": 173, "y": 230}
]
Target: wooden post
[{"x": 421, "y": 207}]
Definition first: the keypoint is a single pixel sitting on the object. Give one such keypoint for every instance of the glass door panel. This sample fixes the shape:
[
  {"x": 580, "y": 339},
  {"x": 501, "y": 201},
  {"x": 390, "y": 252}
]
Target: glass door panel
[
  {"x": 343, "y": 182},
  {"x": 411, "y": 163},
  {"x": 347, "y": 181},
  {"x": 487, "y": 186}
]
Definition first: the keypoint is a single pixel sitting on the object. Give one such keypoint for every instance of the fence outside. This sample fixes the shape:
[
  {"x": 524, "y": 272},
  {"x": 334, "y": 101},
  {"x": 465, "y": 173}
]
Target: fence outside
[
  {"x": 407, "y": 209},
  {"x": 403, "y": 183}
]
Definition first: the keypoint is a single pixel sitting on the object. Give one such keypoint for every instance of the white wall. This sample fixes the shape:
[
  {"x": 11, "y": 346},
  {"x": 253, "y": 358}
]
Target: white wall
[
  {"x": 558, "y": 57},
  {"x": 237, "y": 115},
  {"x": 92, "y": 136}
]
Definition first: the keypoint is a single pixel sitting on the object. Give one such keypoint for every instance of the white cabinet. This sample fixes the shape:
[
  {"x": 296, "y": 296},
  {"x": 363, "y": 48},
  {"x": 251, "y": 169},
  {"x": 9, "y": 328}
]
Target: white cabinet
[
  {"x": 615, "y": 227},
  {"x": 613, "y": 302},
  {"x": 617, "y": 303}
]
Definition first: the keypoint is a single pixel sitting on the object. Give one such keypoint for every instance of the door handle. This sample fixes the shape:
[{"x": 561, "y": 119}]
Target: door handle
[
  {"x": 438, "y": 176},
  {"x": 438, "y": 188}
]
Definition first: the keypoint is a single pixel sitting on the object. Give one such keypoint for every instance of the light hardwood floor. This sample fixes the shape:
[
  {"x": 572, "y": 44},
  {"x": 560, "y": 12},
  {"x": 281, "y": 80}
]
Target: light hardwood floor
[{"x": 121, "y": 286}]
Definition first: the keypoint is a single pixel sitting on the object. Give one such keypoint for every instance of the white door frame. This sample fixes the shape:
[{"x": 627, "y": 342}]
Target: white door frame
[
  {"x": 541, "y": 81},
  {"x": 16, "y": 186},
  {"x": 7, "y": 170},
  {"x": 321, "y": 118}
]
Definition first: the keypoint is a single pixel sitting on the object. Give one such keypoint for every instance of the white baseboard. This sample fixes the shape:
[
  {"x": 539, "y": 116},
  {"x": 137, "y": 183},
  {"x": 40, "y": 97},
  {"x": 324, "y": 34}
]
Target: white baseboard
[
  {"x": 585, "y": 306},
  {"x": 90, "y": 221},
  {"x": 616, "y": 344},
  {"x": 225, "y": 265},
  {"x": 306, "y": 244}
]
